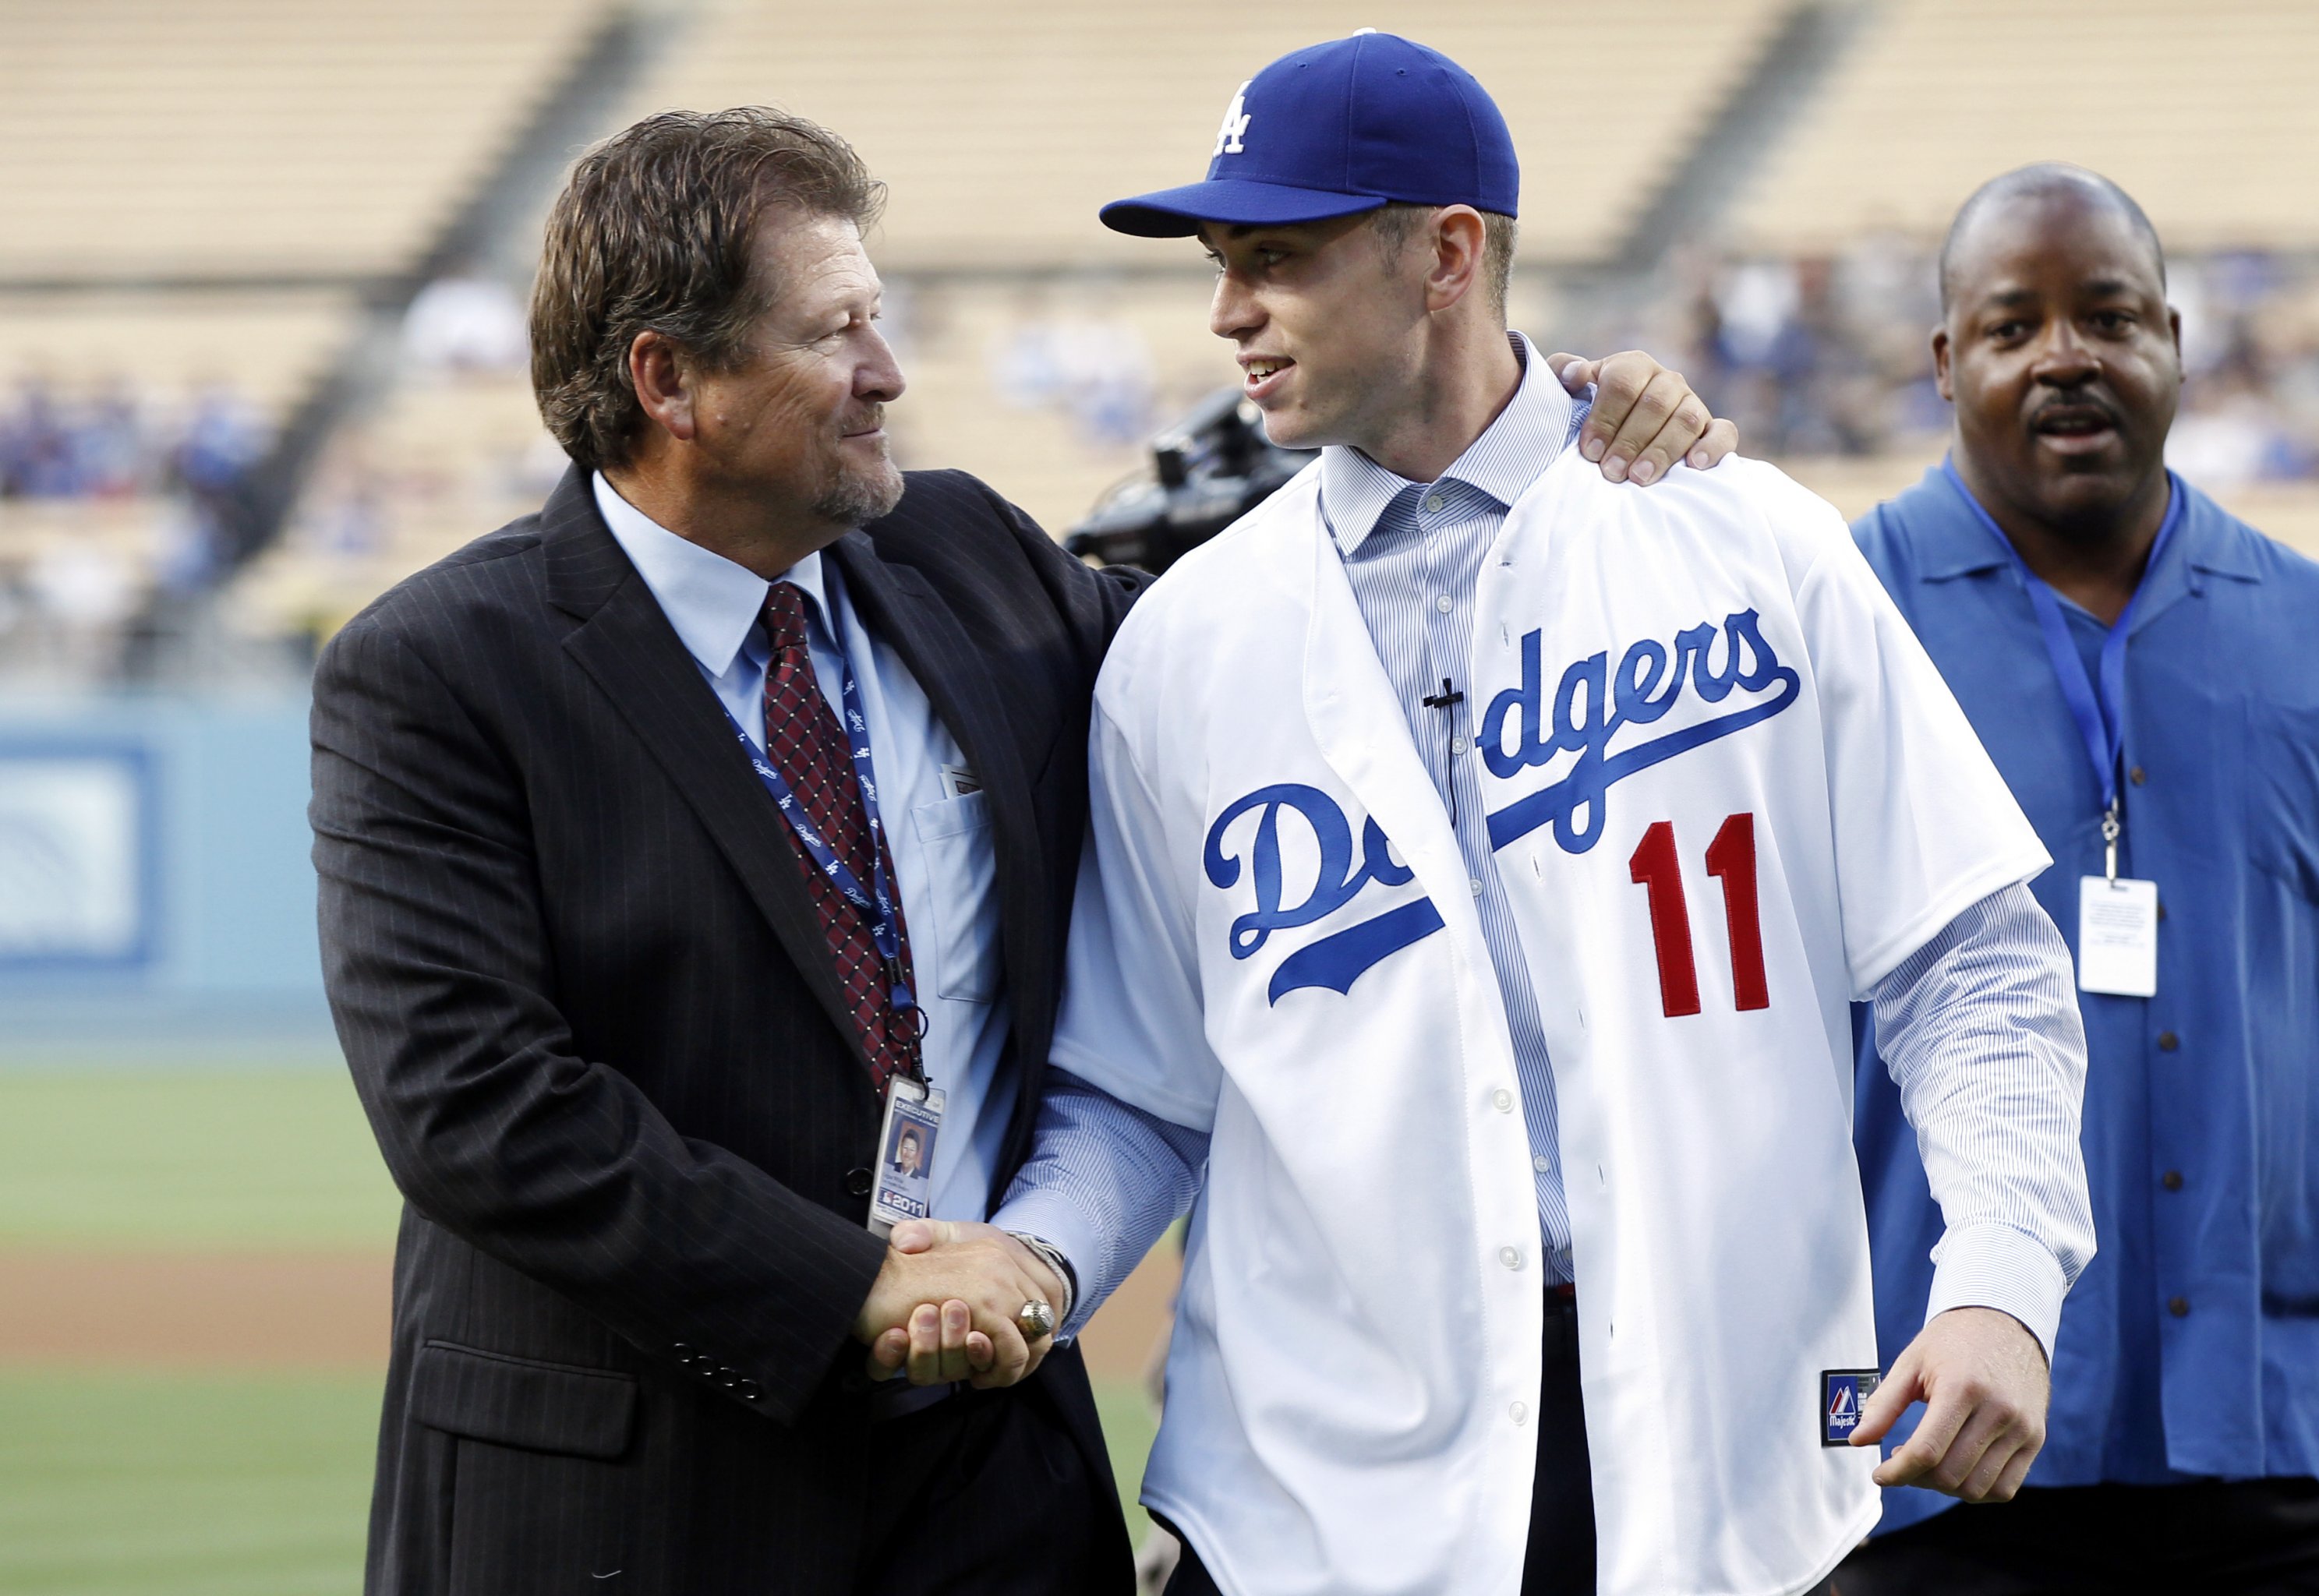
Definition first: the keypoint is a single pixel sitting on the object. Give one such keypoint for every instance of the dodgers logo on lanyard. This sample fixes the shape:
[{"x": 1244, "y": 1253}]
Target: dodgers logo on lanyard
[
  {"x": 2118, "y": 918},
  {"x": 913, "y": 1109}
]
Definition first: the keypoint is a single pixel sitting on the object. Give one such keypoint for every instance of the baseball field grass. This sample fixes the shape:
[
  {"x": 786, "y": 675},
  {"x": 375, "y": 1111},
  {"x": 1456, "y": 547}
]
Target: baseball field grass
[{"x": 193, "y": 1293}]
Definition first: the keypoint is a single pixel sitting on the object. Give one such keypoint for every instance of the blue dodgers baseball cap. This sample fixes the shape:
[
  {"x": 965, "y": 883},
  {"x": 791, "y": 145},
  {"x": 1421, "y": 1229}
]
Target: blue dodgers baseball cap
[{"x": 1338, "y": 129}]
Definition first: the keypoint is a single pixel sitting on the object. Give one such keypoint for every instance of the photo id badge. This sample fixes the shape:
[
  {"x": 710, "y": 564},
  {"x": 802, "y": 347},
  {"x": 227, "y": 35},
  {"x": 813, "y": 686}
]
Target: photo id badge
[
  {"x": 2118, "y": 937},
  {"x": 904, "y": 1186}
]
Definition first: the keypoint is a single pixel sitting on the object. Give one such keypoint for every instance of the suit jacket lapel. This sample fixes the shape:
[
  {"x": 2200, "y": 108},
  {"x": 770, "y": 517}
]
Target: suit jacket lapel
[
  {"x": 625, "y": 643},
  {"x": 903, "y": 609}
]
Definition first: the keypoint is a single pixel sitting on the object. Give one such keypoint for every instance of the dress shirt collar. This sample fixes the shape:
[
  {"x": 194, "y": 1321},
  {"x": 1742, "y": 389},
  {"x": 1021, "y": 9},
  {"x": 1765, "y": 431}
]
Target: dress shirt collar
[
  {"x": 1511, "y": 453},
  {"x": 711, "y": 602}
]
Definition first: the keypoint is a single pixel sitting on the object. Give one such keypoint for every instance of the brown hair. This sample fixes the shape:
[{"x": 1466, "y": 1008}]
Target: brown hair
[
  {"x": 655, "y": 232},
  {"x": 1396, "y": 223}
]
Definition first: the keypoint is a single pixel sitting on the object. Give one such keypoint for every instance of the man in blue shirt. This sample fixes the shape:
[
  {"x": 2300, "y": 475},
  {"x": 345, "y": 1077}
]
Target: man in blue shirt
[{"x": 2141, "y": 666}]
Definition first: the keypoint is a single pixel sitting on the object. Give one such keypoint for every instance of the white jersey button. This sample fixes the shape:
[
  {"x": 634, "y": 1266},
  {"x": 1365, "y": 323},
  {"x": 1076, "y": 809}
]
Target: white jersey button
[
  {"x": 1475, "y": 886},
  {"x": 1433, "y": 502},
  {"x": 1443, "y": 604},
  {"x": 1539, "y": 1164},
  {"x": 1503, "y": 1099},
  {"x": 1457, "y": 744},
  {"x": 1519, "y": 1413},
  {"x": 1510, "y": 1257}
]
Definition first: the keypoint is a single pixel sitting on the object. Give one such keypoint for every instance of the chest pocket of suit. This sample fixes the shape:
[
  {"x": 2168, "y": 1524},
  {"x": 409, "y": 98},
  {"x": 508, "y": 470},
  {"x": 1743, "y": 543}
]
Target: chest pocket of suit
[{"x": 963, "y": 869}]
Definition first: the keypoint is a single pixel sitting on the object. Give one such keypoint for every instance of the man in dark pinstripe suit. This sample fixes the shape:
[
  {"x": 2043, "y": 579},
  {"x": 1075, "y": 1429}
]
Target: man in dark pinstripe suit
[
  {"x": 617, "y": 1023},
  {"x": 597, "y": 1009}
]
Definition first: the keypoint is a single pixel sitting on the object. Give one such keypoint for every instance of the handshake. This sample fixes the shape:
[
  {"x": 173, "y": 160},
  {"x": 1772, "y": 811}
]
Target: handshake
[{"x": 946, "y": 1302}]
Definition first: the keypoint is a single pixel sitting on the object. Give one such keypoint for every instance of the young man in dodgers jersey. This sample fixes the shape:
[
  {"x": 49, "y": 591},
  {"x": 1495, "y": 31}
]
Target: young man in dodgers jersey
[{"x": 1486, "y": 856}]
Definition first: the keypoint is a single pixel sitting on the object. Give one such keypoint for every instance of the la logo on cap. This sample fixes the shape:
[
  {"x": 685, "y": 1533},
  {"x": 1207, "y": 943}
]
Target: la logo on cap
[{"x": 1235, "y": 128}]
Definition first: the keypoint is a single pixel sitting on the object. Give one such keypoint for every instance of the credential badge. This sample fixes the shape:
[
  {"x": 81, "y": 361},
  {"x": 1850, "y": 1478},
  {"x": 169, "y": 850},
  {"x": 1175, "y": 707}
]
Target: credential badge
[{"x": 1235, "y": 128}]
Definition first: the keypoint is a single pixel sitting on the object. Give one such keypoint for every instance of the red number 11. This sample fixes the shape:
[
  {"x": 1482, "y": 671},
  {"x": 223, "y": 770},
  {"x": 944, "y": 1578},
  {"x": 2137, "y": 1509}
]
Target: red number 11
[{"x": 1731, "y": 859}]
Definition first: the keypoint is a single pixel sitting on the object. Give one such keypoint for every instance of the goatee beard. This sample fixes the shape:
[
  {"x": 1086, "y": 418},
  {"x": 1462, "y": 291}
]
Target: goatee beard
[{"x": 859, "y": 497}]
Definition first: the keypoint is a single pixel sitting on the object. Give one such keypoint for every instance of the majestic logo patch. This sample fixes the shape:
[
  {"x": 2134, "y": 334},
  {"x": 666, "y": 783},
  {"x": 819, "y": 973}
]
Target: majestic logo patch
[
  {"x": 1333, "y": 961},
  {"x": 1235, "y": 128},
  {"x": 1843, "y": 1394},
  {"x": 1594, "y": 703}
]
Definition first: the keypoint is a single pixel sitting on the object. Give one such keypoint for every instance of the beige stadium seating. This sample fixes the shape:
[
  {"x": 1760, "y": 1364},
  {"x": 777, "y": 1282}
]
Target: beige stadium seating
[
  {"x": 446, "y": 460},
  {"x": 277, "y": 138},
  {"x": 2204, "y": 113},
  {"x": 1001, "y": 127},
  {"x": 271, "y": 346}
]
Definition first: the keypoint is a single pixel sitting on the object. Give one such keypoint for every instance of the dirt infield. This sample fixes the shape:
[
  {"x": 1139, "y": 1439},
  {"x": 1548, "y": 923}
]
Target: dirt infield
[
  {"x": 270, "y": 1310},
  {"x": 321, "y": 1310}
]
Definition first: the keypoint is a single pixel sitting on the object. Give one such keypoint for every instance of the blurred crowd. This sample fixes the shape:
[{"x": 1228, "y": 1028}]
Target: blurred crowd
[
  {"x": 116, "y": 442},
  {"x": 1812, "y": 356},
  {"x": 115, "y": 497},
  {"x": 1830, "y": 355}
]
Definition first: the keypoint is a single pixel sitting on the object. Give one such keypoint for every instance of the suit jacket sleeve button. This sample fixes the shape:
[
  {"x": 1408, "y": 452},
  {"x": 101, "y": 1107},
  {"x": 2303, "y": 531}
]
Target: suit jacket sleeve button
[
  {"x": 750, "y": 1391},
  {"x": 857, "y": 1182}
]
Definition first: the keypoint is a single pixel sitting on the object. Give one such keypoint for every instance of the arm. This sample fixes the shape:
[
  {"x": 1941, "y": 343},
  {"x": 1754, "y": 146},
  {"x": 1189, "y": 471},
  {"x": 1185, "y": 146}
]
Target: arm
[
  {"x": 441, "y": 976},
  {"x": 1980, "y": 1030},
  {"x": 1103, "y": 1182},
  {"x": 1941, "y": 936},
  {"x": 1122, "y": 1132}
]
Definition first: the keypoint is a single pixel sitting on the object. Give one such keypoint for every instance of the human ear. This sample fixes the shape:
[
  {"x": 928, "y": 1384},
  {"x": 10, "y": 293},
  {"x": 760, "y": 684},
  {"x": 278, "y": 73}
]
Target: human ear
[
  {"x": 1941, "y": 364},
  {"x": 1458, "y": 239},
  {"x": 662, "y": 379}
]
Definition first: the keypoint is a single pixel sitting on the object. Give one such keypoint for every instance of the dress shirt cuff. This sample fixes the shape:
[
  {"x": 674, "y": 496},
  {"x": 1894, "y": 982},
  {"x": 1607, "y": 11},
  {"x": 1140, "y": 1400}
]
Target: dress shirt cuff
[
  {"x": 1052, "y": 1216},
  {"x": 1993, "y": 1265},
  {"x": 1049, "y": 1254}
]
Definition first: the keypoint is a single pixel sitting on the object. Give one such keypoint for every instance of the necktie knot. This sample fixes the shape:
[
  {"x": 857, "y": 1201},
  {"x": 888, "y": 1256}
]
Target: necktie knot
[{"x": 785, "y": 616}]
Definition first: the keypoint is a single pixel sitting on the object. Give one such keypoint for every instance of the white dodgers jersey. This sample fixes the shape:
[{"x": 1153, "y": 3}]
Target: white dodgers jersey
[{"x": 1728, "y": 793}]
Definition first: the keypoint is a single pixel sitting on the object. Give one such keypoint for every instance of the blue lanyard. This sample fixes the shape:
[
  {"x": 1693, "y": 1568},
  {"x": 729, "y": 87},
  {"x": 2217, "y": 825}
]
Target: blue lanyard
[
  {"x": 877, "y": 902},
  {"x": 2100, "y": 712}
]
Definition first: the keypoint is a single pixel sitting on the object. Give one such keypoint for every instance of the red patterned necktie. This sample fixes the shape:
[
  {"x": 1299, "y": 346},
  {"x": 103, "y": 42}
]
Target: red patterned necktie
[{"x": 805, "y": 744}]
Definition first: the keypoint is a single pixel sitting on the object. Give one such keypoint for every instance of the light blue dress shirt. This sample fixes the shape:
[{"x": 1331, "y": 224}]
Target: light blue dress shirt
[
  {"x": 1964, "y": 1014},
  {"x": 1413, "y": 554},
  {"x": 945, "y": 865}
]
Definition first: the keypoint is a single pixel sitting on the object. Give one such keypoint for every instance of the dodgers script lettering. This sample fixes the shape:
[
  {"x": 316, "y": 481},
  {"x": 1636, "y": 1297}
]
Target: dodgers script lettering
[
  {"x": 1592, "y": 704},
  {"x": 1333, "y": 961}
]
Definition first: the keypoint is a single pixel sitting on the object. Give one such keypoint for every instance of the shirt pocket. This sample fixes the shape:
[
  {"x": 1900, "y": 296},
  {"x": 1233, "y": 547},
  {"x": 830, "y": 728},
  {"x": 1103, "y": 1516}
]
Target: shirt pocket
[
  {"x": 2282, "y": 793},
  {"x": 961, "y": 862}
]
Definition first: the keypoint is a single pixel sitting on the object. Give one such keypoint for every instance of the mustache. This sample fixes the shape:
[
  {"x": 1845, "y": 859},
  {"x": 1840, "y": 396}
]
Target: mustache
[
  {"x": 2077, "y": 399},
  {"x": 864, "y": 419}
]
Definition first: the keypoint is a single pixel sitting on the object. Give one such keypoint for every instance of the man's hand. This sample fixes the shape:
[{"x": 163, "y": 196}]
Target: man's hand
[
  {"x": 1982, "y": 1379},
  {"x": 1645, "y": 416},
  {"x": 943, "y": 1305}
]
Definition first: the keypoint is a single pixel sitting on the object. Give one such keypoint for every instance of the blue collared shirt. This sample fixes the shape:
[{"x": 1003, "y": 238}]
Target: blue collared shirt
[
  {"x": 945, "y": 865},
  {"x": 2190, "y": 1346}
]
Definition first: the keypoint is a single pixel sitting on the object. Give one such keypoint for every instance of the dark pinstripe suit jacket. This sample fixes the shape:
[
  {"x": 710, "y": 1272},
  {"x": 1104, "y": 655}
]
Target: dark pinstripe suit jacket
[{"x": 590, "y": 1013}]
